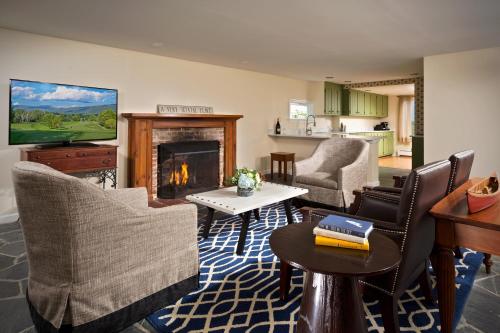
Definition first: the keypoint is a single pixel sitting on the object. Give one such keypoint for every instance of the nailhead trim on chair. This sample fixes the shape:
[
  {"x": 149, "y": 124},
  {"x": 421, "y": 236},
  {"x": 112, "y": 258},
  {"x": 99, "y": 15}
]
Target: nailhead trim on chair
[
  {"x": 409, "y": 217},
  {"x": 453, "y": 175}
]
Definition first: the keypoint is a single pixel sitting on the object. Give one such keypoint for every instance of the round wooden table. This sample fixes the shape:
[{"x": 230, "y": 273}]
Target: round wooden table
[{"x": 331, "y": 300}]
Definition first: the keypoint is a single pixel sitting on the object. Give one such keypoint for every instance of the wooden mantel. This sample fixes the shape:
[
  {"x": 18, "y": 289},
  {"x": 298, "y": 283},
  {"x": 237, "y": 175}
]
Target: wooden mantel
[{"x": 140, "y": 140}]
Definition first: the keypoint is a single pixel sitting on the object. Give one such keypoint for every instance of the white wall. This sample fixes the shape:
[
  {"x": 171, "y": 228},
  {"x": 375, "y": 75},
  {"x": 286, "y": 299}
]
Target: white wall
[
  {"x": 143, "y": 81},
  {"x": 462, "y": 107}
]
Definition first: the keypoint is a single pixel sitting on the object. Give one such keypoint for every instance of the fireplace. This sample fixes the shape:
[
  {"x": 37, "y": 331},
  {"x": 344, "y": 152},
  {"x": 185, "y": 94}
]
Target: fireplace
[
  {"x": 147, "y": 130},
  {"x": 187, "y": 167}
]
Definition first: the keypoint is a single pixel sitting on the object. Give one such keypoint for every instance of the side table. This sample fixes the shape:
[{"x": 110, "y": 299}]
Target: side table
[
  {"x": 282, "y": 157},
  {"x": 331, "y": 300}
]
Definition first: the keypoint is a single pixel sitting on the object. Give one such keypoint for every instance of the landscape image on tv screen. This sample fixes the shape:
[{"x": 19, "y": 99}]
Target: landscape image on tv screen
[{"x": 47, "y": 112}]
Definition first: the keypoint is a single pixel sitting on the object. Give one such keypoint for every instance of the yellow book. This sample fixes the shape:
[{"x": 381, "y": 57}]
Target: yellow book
[{"x": 327, "y": 241}]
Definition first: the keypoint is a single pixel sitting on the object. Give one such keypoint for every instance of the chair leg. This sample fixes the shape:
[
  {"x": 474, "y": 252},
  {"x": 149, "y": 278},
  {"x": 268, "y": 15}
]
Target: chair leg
[
  {"x": 389, "y": 309},
  {"x": 425, "y": 284},
  {"x": 487, "y": 262}
]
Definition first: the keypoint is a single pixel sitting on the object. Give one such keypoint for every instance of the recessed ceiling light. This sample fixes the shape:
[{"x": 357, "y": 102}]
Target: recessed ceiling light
[
  {"x": 157, "y": 44},
  {"x": 329, "y": 77}
]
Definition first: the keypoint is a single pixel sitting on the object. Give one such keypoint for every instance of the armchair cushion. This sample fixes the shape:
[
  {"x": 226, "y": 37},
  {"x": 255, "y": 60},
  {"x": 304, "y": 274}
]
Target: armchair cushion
[{"x": 320, "y": 179}]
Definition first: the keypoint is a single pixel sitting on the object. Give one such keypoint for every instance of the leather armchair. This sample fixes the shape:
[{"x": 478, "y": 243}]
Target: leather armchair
[
  {"x": 99, "y": 260},
  {"x": 413, "y": 229}
]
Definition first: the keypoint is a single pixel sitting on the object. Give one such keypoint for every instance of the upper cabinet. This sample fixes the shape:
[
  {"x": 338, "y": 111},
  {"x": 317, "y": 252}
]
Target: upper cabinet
[
  {"x": 333, "y": 99},
  {"x": 355, "y": 103}
]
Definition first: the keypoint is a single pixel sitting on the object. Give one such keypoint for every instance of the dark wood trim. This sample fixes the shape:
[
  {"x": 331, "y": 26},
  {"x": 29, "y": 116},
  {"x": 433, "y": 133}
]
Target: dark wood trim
[
  {"x": 180, "y": 116},
  {"x": 140, "y": 137}
]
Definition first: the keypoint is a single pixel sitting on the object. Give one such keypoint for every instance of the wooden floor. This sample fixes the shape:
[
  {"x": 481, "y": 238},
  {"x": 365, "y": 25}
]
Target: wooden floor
[{"x": 397, "y": 162}]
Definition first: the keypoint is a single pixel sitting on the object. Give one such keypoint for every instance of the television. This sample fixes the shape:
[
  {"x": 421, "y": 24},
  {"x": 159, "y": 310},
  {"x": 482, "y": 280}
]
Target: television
[{"x": 41, "y": 112}]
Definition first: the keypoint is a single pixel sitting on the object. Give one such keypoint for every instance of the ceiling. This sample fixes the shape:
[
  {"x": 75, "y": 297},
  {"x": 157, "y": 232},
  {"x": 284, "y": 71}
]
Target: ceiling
[
  {"x": 359, "y": 41},
  {"x": 395, "y": 90}
]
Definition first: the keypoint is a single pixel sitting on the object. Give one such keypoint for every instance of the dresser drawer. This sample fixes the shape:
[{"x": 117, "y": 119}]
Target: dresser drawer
[
  {"x": 54, "y": 154},
  {"x": 78, "y": 164}
]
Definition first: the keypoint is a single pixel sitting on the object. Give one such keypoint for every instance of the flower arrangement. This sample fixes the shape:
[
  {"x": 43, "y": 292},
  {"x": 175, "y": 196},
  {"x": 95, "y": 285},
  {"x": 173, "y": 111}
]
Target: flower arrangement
[{"x": 247, "y": 181}]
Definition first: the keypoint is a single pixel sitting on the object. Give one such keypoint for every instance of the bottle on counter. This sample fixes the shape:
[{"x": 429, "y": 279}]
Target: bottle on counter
[
  {"x": 277, "y": 128},
  {"x": 341, "y": 127}
]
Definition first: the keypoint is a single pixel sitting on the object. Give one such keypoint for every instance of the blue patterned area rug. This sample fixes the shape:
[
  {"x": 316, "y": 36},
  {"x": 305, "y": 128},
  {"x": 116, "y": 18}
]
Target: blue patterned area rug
[{"x": 241, "y": 293}]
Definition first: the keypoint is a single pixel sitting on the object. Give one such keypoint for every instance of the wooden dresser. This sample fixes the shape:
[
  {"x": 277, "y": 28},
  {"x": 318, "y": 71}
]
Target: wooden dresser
[{"x": 91, "y": 161}]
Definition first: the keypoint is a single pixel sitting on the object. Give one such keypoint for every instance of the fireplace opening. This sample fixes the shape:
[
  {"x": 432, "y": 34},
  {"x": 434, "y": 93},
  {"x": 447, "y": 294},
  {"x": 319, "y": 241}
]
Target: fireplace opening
[{"x": 187, "y": 167}]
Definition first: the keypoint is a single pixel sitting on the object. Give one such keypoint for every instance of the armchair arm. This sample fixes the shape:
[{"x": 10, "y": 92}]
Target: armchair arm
[
  {"x": 135, "y": 196},
  {"x": 353, "y": 177},
  {"x": 399, "y": 181},
  {"x": 386, "y": 189}
]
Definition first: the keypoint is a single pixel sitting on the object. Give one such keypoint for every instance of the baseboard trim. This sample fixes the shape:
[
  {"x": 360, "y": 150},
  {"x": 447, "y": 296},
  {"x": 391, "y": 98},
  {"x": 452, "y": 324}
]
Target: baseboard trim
[{"x": 8, "y": 218}]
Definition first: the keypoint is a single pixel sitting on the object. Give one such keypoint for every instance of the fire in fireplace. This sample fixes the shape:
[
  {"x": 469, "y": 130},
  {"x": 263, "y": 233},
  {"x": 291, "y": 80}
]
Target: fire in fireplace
[{"x": 187, "y": 167}]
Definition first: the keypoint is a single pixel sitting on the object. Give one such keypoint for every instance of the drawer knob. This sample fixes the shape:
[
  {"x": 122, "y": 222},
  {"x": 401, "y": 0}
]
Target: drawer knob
[{"x": 68, "y": 155}]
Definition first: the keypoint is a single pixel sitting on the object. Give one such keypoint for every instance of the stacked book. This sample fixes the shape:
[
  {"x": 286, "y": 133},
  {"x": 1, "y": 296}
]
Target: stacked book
[{"x": 341, "y": 231}]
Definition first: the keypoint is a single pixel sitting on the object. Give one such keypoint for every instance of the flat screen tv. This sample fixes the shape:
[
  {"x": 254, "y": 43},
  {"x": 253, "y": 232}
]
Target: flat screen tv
[{"x": 42, "y": 112}]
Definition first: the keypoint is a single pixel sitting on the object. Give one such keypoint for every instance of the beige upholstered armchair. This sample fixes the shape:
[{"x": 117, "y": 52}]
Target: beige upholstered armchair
[
  {"x": 336, "y": 168},
  {"x": 100, "y": 260}
]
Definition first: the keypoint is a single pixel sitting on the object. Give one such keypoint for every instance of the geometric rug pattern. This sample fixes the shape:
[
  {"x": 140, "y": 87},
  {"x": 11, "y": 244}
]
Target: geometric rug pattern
[{"x": 241, "y": 293}]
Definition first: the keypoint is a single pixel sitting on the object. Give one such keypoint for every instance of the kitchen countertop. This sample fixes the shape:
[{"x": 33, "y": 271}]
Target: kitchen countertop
[{"x": 323, "y": 136}]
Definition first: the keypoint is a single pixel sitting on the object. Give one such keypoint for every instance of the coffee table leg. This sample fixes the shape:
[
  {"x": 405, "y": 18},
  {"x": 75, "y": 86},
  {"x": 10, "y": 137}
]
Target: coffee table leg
[
  {"x": 285, "y": 277},
  {"x": 288, "y": 211},
  {"x": 208, "y": 222},
  {"x": 331, "y": 304},
  {"x": 256, "y": 214},
  {"x": 243, "y": 233}
]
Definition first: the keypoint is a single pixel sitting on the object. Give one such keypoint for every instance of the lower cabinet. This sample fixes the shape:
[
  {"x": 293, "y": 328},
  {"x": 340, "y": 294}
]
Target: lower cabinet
[{"x": 385, "y": 144}]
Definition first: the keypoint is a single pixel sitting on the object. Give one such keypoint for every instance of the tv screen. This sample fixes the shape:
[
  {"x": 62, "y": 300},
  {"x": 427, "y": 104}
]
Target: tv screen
[{"x": 51, "y": 113}]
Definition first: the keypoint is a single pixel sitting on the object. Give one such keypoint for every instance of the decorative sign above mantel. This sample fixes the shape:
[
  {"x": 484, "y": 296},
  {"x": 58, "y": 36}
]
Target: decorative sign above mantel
[{"x": 184, "y": 109}]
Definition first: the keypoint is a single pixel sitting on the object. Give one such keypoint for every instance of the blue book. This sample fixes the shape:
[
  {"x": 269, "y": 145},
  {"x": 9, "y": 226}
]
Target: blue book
[{"x": 346, "y": 225}]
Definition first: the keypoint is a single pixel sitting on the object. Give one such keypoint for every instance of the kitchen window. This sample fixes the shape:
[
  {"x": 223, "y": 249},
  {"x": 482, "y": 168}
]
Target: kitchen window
[{"x": 300, "y": 109}]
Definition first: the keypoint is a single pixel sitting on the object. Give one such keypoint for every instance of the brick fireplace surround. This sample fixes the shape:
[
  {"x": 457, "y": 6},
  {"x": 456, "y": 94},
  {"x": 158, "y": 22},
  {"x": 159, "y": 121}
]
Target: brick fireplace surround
[{"x": 147, "y": 130}]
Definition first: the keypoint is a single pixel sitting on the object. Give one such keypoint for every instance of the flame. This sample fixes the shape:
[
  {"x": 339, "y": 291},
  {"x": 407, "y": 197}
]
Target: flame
[{"x": 180, "y": 177}]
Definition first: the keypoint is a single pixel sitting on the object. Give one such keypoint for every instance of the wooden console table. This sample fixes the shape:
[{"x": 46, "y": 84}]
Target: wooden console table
[
  {"x": 456, "y": 227},
  {"x": 89, "y": 161}
]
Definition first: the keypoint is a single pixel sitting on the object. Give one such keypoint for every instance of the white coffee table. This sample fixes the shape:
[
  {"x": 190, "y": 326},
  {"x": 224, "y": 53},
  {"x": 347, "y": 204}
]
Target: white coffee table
[{"x": 227, "y": 201}]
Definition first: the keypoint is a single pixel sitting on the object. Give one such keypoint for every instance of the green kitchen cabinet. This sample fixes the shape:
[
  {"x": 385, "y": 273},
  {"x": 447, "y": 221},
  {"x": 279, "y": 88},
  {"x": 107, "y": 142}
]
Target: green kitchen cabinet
[
  {"x": 357, "y": 103},
  {"x": 373, "y": 105},
  {"x": 385, "y": 106},
  {"x": 328, "y": 99},
  {"x": 381, "y": 146},
  {"x": 368, "y": 105},
  {"x": 388, "y": 144},
  {"x": 333, "y": 99},
  {"x": 361, "y": 103},
  {"x": 380, "y": 106},
  {"x": 385, "y": 143},
  {"x": 350, "y": 105}
]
